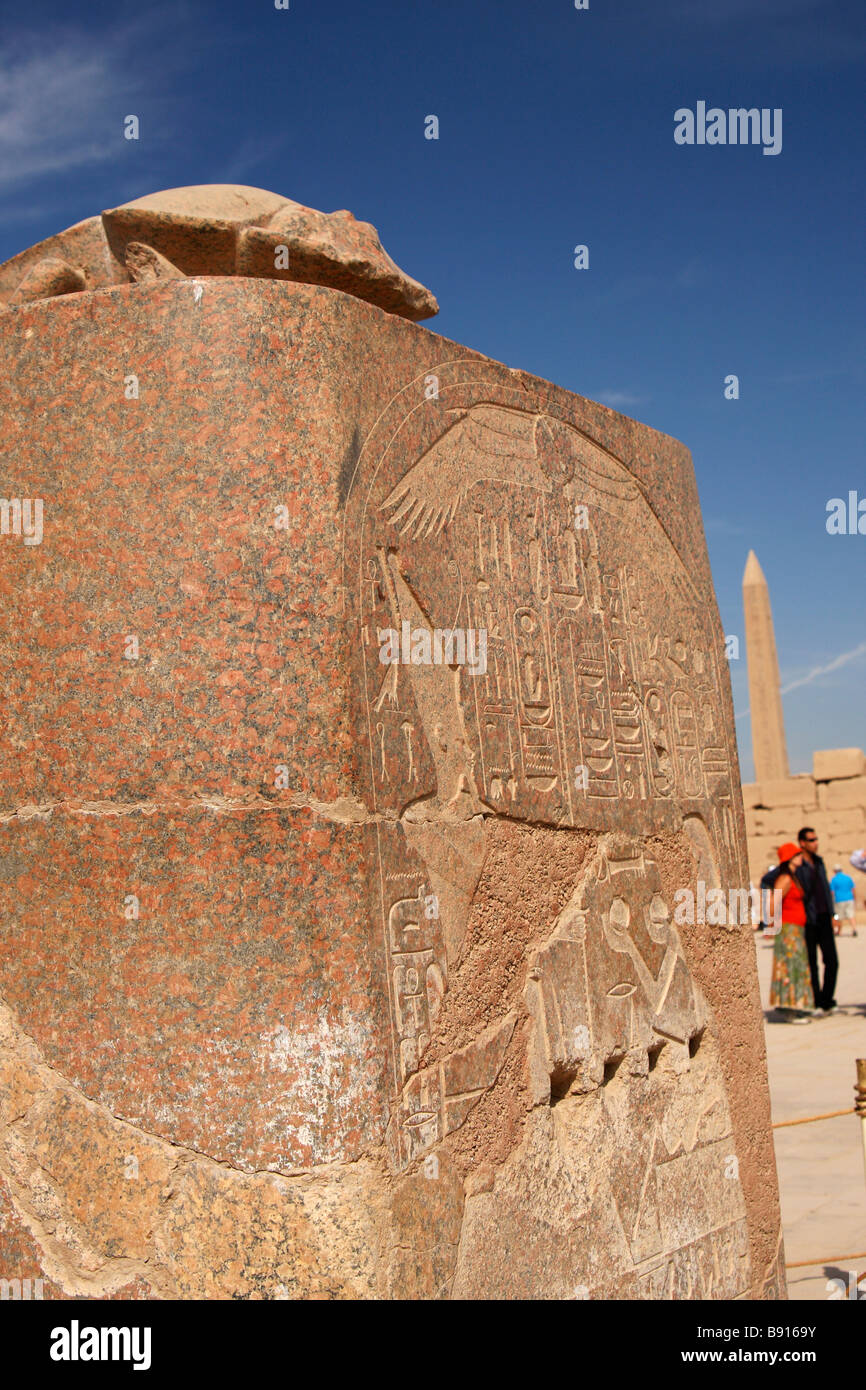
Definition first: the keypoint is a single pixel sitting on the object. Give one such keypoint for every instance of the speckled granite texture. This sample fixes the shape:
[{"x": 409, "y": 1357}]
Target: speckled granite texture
[{"x": 323, "y": 977}]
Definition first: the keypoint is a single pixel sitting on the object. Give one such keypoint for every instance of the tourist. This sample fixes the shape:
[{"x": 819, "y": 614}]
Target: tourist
[
  {"x": 842, "y": 888},
  {"x": 812, "y": 878},
  {"x": 767, "y": 881},
  {"x": 789, "y": 989}
]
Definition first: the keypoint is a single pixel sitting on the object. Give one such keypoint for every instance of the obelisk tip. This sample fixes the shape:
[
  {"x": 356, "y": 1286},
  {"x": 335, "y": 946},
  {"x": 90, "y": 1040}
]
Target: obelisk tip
[{"x": 753, "y": 574}]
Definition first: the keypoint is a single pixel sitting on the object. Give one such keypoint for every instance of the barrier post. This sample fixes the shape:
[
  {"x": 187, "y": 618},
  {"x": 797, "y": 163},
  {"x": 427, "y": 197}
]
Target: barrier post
[{"x": 860, "y": 1100}]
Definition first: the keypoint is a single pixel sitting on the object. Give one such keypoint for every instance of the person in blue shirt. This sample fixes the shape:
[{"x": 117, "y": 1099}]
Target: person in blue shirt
[{"x": 842, "y": 888}]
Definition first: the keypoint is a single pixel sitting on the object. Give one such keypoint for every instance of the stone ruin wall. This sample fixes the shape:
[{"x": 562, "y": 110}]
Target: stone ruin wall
[{"x": 832, "y": 799}]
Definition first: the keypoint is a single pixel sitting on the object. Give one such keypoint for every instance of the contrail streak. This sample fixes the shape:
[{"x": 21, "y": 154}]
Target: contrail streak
[{"x": 816, "y": 671}]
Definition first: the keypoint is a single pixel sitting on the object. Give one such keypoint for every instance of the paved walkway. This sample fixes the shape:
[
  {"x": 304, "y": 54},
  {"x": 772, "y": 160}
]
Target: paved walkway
[{"x": 822, "y": 1180}]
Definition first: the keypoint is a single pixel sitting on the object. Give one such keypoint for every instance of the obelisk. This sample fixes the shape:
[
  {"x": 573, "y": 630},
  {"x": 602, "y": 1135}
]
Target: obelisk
[{"x": 768, "y": 722}]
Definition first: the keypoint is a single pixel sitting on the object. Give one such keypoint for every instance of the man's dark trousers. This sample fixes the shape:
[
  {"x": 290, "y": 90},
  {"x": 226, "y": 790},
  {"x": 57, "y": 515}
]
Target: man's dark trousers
[{"x": 820, "y": 933}]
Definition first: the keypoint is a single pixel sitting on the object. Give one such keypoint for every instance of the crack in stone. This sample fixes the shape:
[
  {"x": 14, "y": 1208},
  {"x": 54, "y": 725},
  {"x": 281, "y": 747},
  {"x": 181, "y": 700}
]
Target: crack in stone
[
  {"x": 345, "y": 810},
  {"x": 13, "y": 1036},
  {"x": 68, "y": 1256}
]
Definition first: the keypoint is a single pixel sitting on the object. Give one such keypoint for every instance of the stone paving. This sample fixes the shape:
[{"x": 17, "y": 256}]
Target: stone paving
[{"x": 822, "y": 1179}]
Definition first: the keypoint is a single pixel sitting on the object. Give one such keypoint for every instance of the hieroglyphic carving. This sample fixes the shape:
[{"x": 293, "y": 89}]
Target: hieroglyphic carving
[
  {"x": 489, "y": 443},
  {"x": 716, "y": 1266},
  {"x": 577, "y": 676},
  {"x": 480, "y": 532},
  {"x": 612, "y": 986},
  {"x": 436, "y": 1100},
  {"x": 417, "y": 976},
  {"x": 617, "y": 933}
]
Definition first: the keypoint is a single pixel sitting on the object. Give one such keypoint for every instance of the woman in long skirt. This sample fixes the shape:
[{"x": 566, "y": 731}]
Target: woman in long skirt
[{"x": 791, "y": 989}]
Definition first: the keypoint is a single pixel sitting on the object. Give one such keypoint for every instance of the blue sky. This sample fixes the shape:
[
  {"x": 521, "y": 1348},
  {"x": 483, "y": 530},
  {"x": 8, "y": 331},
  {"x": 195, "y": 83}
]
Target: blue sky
[{"x": 556, "y": 128}]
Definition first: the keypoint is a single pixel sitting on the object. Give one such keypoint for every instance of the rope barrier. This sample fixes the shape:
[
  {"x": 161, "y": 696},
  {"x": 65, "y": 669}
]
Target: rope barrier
[
  {"x": 857, "y": 1109},
  {"x": 809, "y": 1119},
  {"x": 827, "y": 1260}
]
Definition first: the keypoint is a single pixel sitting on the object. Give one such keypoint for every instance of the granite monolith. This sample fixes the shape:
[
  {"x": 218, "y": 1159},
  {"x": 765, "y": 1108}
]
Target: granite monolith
[{"x": 367, "y": 721}]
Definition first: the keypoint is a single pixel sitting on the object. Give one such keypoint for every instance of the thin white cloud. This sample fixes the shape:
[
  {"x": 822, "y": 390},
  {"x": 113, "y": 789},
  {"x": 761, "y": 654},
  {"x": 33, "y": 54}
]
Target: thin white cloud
[
  {"x": 53, "y": 106},
  {"x": 64, "y": 93},
  {"x": 628, "y": 288},
  {"x": 833, "y": 665},
  {"x": 617, "y": 398},
  {"x": 251, "y": 154},
  {"x": 816, "y": 672},
  {"x": 797, "y": 378}
]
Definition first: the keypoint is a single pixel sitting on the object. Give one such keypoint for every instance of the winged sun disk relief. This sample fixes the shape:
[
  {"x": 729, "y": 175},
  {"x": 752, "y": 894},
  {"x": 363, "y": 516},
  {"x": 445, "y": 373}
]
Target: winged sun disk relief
[
  {"x": 489, "y": 442},
  {"x": 497, "y": 444}
]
